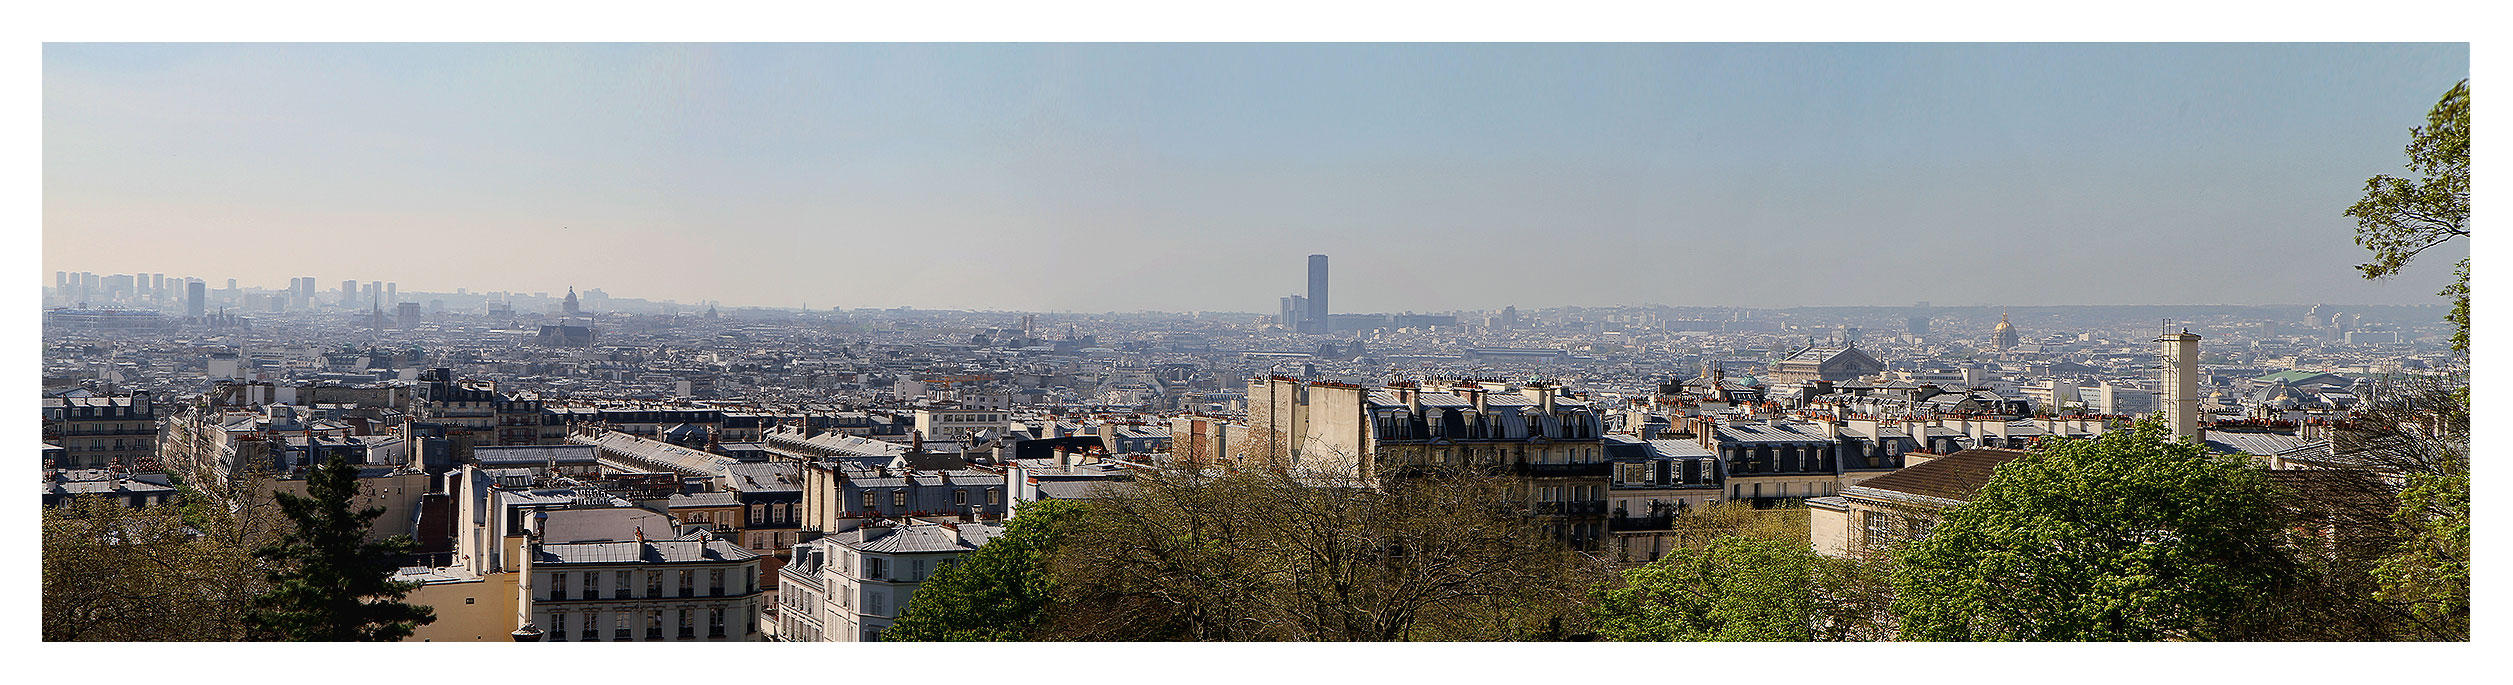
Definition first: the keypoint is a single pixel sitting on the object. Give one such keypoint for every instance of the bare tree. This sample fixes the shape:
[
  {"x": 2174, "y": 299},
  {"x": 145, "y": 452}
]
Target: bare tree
[{"x": 1268, "y": 552}]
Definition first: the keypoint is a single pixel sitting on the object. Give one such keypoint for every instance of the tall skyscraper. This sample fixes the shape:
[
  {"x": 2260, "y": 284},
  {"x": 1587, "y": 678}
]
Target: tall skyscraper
[
  {"x": 1317, "y": 322},
  {"x": 195, "y": 299},
  {"x": 392, "y": 293},
  {"x": 349, "y": 293}
]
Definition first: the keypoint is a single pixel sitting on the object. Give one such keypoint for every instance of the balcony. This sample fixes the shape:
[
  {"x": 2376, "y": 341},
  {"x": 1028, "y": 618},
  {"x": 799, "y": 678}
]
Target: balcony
[
  {"x": 1588, "y": 470},
  {"x": 1629, "y": 523}
]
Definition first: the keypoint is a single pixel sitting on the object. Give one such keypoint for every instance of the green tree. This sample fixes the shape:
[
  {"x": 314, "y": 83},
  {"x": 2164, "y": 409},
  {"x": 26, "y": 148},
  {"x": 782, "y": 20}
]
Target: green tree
[
  {"x": 328, "y": 583},
  {"x": 2399, "y": 218},
  {"x": 1735, "y": 589},
  {"x": 2127, "y": 537},
  {"x": 999, "y": 593},
  {"x": 2429, "y": 574},
  {"x": 2418, "y": 430},
  {"x": 1741, "y": 574}
]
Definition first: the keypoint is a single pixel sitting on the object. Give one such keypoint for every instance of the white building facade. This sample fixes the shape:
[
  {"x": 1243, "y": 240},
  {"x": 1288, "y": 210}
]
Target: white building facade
[{"x": 850, "y": 586}]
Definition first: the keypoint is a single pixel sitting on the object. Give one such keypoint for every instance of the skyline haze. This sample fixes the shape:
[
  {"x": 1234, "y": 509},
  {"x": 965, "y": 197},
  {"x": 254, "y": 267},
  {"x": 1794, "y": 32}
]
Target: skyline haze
[{"x": 1198, "y": 177}]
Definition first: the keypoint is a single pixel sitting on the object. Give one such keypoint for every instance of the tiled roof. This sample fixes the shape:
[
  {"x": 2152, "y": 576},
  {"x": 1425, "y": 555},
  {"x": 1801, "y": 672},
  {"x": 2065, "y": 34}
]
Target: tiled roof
[
  {"x": 528, "y": 455},
  {"x": 2253, "y": 443},
  {"x": 706, "y": 499},
  {"x": 651, "y": 551},
  {"x": 919, "y": 538},
  {"x": 1953, "y": 477}
]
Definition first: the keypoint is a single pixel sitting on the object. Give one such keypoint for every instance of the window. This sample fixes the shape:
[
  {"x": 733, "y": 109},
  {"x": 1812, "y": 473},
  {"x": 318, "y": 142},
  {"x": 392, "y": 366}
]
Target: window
[
  {"x": 654, "y": 584},
  {"x": 873, "y": 568},
  {"x": 715, "y": 582},
  {"x": 686, "y": 581},
  {"x": 558, "y": 627},
  {"x": 960, "y": 497},
  {"x": 898, "y": 499},
  {"x": 918, "y": 572},
  {"x": 873, "y": 602},
  {"x": 619, "y": 627},
  {"x": 868, "y": 501},
  {"x": 992, "y": 496},
  {"x": 687, "y": 628},
  {"x": 558, "y": 585},
  {"x": 715, "y": 623},
  {"x": 619, "y": 585}
]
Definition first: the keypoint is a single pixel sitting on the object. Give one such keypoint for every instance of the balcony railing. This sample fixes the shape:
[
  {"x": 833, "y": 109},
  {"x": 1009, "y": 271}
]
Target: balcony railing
[
  {"x": 1622, "y": 523},
  {"x": 1596, "y": 469}
]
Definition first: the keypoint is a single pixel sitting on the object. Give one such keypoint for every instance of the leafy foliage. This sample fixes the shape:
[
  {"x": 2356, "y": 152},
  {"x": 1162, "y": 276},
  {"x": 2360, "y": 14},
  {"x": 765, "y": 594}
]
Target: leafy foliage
[
  {"x": 328, "y": 582},
  {"x": 2429, "y": 572},
  {"x": 1736, "y": 589},
  {"x": 2399, "y": 218},
  {"x": 1741, "y": 574},
  {"x": 999, "y": 593},
  {"x": 2125, "y": 537}
]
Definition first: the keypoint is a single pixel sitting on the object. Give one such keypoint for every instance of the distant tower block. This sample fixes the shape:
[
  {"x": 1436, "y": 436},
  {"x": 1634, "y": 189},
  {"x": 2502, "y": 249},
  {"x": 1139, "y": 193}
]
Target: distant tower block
[
  {"x": 1317, "y": 295},
  {"x": 2181, "y": 384}
]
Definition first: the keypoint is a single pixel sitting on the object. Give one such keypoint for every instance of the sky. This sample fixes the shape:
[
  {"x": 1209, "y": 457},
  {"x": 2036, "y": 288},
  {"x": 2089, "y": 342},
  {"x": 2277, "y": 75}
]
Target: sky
[{"x": 1091, "y": 177}]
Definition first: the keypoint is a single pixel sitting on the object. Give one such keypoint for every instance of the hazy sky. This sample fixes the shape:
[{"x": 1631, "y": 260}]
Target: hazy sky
[{"x": 1198, "y": 177}]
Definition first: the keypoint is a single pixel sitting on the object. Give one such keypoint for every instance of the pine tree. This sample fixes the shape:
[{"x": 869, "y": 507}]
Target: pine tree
[{"x": 329, "y": 584}]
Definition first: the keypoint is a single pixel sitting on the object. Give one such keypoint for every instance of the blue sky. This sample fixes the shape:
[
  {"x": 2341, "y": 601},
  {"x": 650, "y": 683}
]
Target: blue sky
[{"x": 1197, "y": 177}]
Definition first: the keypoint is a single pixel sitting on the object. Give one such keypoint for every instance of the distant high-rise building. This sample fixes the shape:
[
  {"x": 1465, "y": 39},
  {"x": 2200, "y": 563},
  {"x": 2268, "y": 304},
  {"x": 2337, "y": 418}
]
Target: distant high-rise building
[
  {"x": 61, "y": 282},
  {"x": 195, "y": 299},
  {"x": 1317, "y": 318},
  {"x": 1295, "y": 312},
  {"x": 348, "y": 293},
  {"x": 392, "y": 293},
  {"x": 1509, "y": 317},
  {"x": 1917, "y": 325},
  {"x": 372, "y": 294}
]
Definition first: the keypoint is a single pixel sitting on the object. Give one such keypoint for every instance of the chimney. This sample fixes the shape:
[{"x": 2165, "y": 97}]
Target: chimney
[{"x": 2181, "y": 385}]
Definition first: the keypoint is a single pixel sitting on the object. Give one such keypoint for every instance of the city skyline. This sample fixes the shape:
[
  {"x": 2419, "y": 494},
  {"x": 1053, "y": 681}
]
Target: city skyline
[{"x": 1195, "y": 178}]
